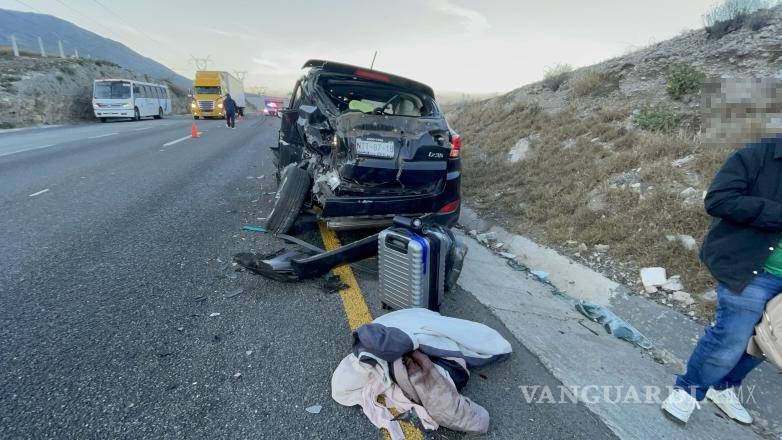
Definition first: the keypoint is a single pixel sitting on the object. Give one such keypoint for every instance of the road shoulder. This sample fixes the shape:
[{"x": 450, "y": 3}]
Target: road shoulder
[{"x": 602, "y": 371}]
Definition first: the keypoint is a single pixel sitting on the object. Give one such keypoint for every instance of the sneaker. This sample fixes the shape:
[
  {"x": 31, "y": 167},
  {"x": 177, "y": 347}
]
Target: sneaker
[
  {"x": 727, "y": 401},
  {"x": 679, "y": 405}
]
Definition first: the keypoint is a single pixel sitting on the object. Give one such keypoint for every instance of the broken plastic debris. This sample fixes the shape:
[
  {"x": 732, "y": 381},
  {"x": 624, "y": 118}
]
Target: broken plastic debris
[
  {"x": 508, "y": 255},
  {"x": 254, "y": 228},
  {"x": 212, "y": 315},
  {"x": 515, "y": 265},
  {"x": 234, "y": 293},
  {"x": 333, "y": 284},
  {"x": 613, "y": 324},
  {"x": 652, "y": 277},
  {"x": 248, "y": 352},
  {"x": 485, "y": 237},
  {"x": 314, "y": 409},
  {"x": 539, "y": 274},
  {"x": 237, "y": 375}
]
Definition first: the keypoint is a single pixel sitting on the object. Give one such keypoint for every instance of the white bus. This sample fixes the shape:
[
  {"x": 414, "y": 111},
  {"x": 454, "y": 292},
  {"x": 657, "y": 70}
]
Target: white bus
[{"x": 124, "y": 98}]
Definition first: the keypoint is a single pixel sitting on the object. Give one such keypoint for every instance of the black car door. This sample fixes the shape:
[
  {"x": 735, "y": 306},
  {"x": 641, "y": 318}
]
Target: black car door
[{"x": 289, "y": 147}]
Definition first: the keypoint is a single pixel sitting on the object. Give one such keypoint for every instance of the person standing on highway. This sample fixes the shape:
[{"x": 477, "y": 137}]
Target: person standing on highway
[
  {"x": 229, "y": 105},
  {"x": 743, "y": 252}
]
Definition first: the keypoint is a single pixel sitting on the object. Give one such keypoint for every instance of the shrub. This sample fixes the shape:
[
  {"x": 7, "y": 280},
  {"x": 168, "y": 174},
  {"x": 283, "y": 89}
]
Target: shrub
[
  {"x": 657, "y": 117},
  {"x": 683, "y": 79},
  {"x": 732, "y": 9},
  {"x": 6, "y": 125},
  {"x": 59, "y": 78},
  {"x": 731, "y": 15},
  {"x": 106, "y": 63},
  {"x": 555, "y": 76},
  {"x": 594, "y": 83},
  {"x": 68, "y": 70}
]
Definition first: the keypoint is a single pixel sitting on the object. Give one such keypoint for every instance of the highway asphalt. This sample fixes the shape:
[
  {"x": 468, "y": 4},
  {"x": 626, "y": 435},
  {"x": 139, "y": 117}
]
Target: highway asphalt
[{"x": 121, "y": 315}]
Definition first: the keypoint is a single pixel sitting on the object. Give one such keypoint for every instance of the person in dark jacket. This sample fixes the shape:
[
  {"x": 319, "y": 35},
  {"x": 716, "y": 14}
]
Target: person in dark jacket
[
  {"x": 743, "y": 252},
  {"x": 229, "y": 105}
]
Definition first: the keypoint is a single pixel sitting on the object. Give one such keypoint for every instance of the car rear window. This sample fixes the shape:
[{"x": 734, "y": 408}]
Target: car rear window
[{"x": 352, "y": 94}]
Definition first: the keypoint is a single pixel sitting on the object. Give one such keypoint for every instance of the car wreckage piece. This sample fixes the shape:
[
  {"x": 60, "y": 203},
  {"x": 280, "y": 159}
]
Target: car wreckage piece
[
  {"x": 373, "y": 145},
  {"x": 308, "y": 261}
]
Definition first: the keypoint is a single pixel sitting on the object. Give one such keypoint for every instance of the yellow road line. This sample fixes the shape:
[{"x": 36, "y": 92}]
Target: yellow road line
[{"x": 357, "y": 311}]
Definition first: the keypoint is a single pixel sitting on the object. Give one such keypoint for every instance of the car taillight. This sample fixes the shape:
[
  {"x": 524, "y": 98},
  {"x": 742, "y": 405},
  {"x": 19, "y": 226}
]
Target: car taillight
[
  {"x": 373, "y": 75},
  {"x": 450, "y": 207},
  {"x": 456, "y": 145}
]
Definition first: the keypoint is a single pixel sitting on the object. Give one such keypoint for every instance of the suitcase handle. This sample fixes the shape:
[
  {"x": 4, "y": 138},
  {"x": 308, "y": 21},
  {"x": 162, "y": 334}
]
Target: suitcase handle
[{"x": 396, "y": 244}]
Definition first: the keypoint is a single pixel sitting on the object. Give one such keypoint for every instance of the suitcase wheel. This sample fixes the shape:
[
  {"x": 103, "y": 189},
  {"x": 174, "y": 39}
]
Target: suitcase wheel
[{"x": 384, "y": 306}]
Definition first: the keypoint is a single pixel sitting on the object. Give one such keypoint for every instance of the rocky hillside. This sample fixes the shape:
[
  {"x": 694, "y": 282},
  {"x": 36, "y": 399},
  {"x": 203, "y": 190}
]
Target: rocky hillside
[
  {"x": 35, "y": 90},
  {"x": 609, "y": 163},
  {"x": 28, "y": 26}
]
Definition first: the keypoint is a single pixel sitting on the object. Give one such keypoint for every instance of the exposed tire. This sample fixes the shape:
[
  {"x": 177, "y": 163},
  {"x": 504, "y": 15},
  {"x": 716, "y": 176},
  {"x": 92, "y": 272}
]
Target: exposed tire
[
  {"x": 136, "y": 114},
  {"x": 293, "y": 188},
  {"x": 196, "y": 118},
  {"x": 159, "y": 114},
  {"x": 103, "y": 119}
]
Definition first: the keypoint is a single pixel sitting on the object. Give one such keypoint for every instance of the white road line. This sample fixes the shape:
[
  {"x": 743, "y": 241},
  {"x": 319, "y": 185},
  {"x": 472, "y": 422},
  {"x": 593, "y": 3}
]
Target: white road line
[
  {"x": 176, "y": 141},
  {"x": 101, "y": 135},
  {"x": 27, "y": 149},
  {"x": 142, "y": 128},
  {"x": 39, "y": 192}
]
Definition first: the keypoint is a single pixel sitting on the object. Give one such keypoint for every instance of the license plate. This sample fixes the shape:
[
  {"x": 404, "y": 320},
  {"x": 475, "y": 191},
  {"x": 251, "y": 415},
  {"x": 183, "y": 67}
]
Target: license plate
[{"x": 375, "y": 148}]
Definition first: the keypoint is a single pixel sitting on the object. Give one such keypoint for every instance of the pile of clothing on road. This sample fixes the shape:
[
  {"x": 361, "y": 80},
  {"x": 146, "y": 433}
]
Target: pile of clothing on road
[{"x": 417, "y": 360}]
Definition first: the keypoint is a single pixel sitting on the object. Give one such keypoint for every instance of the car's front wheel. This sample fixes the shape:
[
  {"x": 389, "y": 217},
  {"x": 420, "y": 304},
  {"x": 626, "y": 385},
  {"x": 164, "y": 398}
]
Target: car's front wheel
[{"x": 293, "y": 188}]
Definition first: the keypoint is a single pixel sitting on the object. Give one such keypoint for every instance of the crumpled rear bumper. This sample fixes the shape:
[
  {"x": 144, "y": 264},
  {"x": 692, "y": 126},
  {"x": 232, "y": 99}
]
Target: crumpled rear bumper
[{"x": 411, "y": 205}]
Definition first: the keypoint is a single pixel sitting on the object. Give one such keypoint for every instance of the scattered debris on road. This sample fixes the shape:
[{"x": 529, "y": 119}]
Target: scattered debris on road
[
  {"x": 613, "y": 324},
  {"x": 333, "y": 284},
  {"x": 540, "y": 275},
  {"x": 212, "y": 315},
  {"x": 314, "y": 409},
  {"x": 237, "y": 376},
  {"x": 254, "y": 229},
  {"x": 652, "y": 278},
  {"x": 234, "y": 293}
]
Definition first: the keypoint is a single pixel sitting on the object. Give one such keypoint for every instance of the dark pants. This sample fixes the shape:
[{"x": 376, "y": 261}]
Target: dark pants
[
  {"x": 230, "y": 119},
  {"x": 720, "y": 359}
]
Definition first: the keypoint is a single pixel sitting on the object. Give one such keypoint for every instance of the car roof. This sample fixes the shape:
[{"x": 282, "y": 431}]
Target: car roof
[{"x": 366, "y": 73}]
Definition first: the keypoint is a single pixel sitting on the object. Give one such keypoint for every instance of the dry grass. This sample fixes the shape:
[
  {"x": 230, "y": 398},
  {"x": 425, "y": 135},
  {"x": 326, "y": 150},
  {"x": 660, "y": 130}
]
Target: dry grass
[
  {"x": 546, "y": 194},
  {"x": 594, "y": 83}
]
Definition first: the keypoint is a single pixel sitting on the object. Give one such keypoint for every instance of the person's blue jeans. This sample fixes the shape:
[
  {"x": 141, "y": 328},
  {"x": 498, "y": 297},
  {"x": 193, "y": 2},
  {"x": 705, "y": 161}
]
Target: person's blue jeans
[
  {"x": 720, "y": 359},
  {"x": 230, "y": 119}
]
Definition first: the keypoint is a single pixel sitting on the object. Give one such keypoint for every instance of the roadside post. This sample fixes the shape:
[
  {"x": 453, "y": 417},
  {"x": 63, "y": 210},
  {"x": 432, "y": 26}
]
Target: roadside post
[
  {"x": 40, "y": 46},
  {"x": 62, "y": 52},
  {"x": 13, "y": 44}
]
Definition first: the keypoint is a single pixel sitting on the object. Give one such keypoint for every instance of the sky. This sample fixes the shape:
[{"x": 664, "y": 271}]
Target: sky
[{"x": 453, "y": 45}]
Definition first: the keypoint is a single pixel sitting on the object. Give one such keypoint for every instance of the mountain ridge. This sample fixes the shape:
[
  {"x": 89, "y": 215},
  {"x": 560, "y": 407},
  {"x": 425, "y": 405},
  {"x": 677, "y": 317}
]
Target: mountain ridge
[{"x": 27, "y": 26}]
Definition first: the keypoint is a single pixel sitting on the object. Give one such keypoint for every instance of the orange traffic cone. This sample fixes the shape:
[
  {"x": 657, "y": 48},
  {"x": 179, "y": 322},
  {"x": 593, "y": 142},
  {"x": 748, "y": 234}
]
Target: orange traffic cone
[{"x": 194, "y": 131}]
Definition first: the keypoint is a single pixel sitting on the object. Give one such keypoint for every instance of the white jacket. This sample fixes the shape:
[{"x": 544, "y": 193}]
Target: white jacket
[{"x": 443, "y": 336}]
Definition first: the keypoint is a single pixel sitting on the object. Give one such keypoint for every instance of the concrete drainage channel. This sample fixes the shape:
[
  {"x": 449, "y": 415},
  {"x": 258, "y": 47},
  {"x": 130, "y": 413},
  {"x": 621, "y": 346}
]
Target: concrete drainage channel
[{"x": 621, "y": 383}]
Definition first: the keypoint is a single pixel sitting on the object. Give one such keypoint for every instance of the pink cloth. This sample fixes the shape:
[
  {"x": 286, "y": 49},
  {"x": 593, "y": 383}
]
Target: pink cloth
[{"x": 358, "y": 383}]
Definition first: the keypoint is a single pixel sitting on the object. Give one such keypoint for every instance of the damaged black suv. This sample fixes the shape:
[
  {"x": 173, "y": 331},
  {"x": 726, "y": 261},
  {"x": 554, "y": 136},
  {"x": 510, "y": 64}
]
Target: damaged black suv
[{"x": 359, "y": 146}]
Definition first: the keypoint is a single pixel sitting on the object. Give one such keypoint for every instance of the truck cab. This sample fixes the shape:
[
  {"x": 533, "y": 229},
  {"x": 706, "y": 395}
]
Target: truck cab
[
  {"x": 207, "y": 96},
  {"x": 209, "y": 90}
]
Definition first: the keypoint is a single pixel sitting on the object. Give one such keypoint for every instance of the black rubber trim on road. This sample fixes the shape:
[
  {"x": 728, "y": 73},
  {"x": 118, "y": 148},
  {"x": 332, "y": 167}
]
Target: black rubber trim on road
[{"x": 294, "y": 186}]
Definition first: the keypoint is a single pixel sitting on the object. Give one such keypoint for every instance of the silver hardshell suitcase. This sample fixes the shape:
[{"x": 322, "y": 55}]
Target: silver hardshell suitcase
[{"x": 412, "y": 267}]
